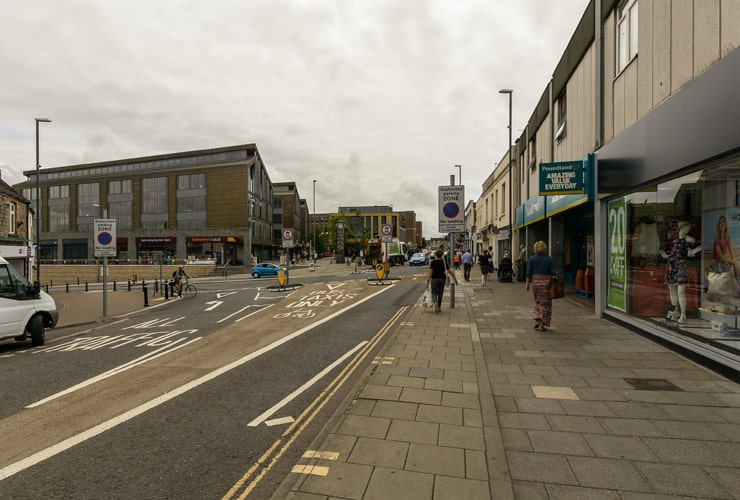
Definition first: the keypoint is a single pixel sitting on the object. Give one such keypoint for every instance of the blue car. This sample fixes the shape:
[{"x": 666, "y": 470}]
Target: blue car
[
  {"x": 264, "y": 269},
  {"x": 419, "y": 259}
]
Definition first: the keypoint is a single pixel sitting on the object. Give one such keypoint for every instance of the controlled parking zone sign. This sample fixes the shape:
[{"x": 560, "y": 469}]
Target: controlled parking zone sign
[
  {"x": 451, "y": 209},
  {"x": 105, "y": 237}
]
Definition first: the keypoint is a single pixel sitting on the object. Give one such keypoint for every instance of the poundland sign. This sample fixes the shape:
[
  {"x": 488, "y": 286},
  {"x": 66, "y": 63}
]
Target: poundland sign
[{"x": 562, "y": 177}]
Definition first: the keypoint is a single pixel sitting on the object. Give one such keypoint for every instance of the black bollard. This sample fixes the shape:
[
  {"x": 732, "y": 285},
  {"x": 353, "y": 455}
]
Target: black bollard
[
  {"x": 166, "y": 292},
  {"x": 129, "y": 285},
  {"x": 78, "y": 281},
  {"x": 156, "y": 287},
  {"x": 114, "y": 285},
  {"x": 86, "y": 286},
  {"x": 146, "y": 294},
  {"x": 67, "y": 287}
]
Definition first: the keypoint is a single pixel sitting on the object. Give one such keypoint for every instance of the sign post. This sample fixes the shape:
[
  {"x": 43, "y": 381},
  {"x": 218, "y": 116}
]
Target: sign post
[
  {"x": 288, "y": 235},
  {"x": 105, "y": 246},
  {"x": 451, "y": 219}
]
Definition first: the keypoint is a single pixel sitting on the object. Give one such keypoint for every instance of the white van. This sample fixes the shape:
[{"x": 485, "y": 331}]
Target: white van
[{"x": 24, "y": 308}]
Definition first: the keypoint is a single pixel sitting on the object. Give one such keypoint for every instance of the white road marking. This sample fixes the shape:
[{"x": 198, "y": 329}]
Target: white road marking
[
  {"x": 68, "y": 443},
  {"x": 279, "y": 421},
  {"x": 215, "y": 303},
  {"x": 290, "y": 397},
  {"x": 135, "y": 362},
  {"x": 221, "y": 295}
]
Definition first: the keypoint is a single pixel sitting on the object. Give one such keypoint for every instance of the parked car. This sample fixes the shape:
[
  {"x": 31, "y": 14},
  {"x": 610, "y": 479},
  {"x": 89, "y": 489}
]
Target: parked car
[
  {"x": 265, "y": 269},
  {"x": 419, "y": 259}
]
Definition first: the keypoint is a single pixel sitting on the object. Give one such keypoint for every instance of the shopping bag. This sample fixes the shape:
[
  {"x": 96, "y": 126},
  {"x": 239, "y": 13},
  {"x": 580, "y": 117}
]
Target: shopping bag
[
  {"x": 721, "y": 286},
  {"x": 426, "y": 299},
  {"x": 556, "y": 290}
]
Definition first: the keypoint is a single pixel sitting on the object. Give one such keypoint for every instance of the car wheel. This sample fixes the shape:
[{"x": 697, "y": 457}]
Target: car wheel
[
  {"x": 37, "y": 331},
  {"x": 255, "y": 275}
]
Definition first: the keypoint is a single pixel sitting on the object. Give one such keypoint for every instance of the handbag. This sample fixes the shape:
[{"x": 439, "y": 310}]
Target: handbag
[
  {"x": 555, "y": 290},
  {"x": 447, "y": 272},
  {"x": 721, "y": 285}
]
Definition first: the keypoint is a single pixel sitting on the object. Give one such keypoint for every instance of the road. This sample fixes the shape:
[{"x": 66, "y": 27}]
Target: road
[{"x": 212, "y": 397}]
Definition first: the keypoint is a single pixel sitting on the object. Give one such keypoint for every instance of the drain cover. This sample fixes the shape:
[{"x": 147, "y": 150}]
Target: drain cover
[{"x": 652, "y": 384}]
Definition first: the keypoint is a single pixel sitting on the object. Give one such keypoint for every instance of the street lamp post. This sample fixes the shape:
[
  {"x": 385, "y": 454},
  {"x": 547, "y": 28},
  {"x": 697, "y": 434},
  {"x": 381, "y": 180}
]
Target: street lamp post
[
  {"x": 314, "y": 219},
  {"x": 511, "y": 188},
  {"x": 38, "y": 203}
]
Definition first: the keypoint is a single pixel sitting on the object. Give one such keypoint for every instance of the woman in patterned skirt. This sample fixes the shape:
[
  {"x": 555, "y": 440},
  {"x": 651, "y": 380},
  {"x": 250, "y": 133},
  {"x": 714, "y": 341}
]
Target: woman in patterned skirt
[{"x": 540, "y": 269}]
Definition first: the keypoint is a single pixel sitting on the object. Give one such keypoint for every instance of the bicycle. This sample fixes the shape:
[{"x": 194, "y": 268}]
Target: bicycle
[{"x": 188, "y": 289}]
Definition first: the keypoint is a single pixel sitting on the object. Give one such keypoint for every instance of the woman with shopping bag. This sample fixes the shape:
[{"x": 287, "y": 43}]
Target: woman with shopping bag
[
  {"x": 438, "y": 270},
  {"x": 540, "y": 270}
]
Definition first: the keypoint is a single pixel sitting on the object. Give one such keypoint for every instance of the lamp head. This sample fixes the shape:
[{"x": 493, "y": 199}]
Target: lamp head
[
  {"x": 42, "y": 120},
  {"x": 505, "y": 91}
]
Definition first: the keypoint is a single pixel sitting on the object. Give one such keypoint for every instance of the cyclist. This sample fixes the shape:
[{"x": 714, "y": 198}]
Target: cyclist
[{"x": 178, "y": 276}]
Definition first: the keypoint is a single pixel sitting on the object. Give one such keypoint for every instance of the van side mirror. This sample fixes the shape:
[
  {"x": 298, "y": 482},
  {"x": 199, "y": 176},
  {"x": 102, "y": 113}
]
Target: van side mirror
[{"x": 36, "y": 288}]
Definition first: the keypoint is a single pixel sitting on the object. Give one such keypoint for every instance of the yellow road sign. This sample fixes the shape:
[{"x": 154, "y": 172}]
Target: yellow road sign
[
  {"x": 379, "y": 271},
  {"x": 281, "y": 277}
]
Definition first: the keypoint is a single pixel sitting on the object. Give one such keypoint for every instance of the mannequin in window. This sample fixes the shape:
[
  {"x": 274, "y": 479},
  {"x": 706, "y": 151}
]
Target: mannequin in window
[{"x": 677, "y": 270}]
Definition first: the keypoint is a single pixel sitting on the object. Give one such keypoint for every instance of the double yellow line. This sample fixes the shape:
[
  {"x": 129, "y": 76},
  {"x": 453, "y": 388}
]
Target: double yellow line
[{"x": 257, "y": 472}]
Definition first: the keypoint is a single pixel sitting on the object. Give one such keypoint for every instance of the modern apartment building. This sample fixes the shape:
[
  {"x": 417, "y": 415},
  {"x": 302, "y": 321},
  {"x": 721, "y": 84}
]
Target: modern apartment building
[{"x": 214, "y": 204}]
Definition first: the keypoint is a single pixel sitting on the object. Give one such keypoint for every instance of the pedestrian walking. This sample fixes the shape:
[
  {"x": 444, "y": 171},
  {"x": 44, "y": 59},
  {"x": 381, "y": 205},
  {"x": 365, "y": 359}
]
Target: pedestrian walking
[
  {"x": 486, "y": 266},
  {"x": 467, "y": 262},
  {"x": 540, "y": 269},
  {"x": 438, "y": 269}
]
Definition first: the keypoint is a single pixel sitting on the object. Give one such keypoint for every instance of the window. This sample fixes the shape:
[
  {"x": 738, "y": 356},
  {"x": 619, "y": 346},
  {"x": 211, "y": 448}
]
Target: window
[
  {"x": 561, "y": 109},
  {"x": 626, "y": 33},
  {"x": 58, "y": 192},
  {"x": 11, "y": 218},
  {"x": 532, "y": 153},
  {"x": 88, "y": 200},
  {"x": 120, "y": 187},
  {"x": 121, "y": 211},
  {"x": 58, "y": 217},
  {"x": 193, "y": 181},
  {"x": 154, "y": 195}
]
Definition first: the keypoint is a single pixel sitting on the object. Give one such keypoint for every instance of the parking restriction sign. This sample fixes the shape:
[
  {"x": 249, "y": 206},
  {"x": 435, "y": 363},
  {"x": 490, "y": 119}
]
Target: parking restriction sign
[
  {"x": 451, "y": 209},
  {"x": 105, "y": 237}
]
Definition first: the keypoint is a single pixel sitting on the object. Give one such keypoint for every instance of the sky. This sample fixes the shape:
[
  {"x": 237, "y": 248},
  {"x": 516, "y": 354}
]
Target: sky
[{"x": 376, "y": 100}]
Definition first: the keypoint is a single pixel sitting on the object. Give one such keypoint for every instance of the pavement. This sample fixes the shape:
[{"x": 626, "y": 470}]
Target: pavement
[{"x": 474, "y": 403}]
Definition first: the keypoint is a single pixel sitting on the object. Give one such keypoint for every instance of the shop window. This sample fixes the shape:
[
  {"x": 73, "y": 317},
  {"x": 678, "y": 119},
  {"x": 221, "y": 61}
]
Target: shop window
[
  {"x": 626, "y": 33},
  {"x": 532, "y": 154},
  {"x": 674, "y": 255}
]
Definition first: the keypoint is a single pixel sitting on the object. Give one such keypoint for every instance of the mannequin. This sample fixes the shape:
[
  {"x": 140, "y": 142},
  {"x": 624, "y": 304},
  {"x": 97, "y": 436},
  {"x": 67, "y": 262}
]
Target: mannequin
[{"x": 677, "y": 270}]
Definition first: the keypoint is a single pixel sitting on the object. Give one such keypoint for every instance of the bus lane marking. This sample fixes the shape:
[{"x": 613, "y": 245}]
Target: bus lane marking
[{"x": 74, "y": 440}]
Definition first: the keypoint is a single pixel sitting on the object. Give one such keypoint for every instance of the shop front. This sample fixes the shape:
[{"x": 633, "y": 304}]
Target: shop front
[
  {"x": 670, "y": 213},
  {"x": 219, "y": 249},
  {"x": 149, "y": 249}
]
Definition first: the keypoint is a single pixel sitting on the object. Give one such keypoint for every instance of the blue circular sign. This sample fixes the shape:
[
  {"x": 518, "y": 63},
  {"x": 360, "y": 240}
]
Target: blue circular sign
[
  {"x": 105, "y": 238},
  {"x": 451, "y": 210}
]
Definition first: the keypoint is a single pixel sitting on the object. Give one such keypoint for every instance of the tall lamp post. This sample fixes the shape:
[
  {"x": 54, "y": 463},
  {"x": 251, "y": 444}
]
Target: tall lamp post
[
  {"x": 38, "y": 203},
  {"x": 511, "y": 188},
  {"x": 314, "y": 218},
  {"x": 459, "y": 183}
]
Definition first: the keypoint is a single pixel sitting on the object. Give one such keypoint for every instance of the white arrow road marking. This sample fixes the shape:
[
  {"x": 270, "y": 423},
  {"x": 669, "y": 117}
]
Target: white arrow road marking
[
  {"x": 221, "y": 295},
  {"x": 305, "y": 386},
  {"x": 215, "y": 303},
  {"x": 15, "y": 468}
]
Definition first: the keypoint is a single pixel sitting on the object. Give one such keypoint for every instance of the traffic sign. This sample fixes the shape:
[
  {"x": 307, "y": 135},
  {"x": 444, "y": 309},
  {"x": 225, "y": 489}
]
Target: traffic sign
[
  {"x": 451, "y": 209},
  {"x": 105, "y": 237},
  {"x": 386, "y": 233},
  {"x": 288, "y": 235}
]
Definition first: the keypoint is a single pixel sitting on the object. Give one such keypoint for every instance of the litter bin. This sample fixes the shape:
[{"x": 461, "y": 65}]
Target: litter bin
[{"x": 521, "y": 270}]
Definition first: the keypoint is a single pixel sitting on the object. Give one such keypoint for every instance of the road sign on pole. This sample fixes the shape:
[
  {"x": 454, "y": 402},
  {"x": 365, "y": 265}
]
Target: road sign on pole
[
  {"x": 288, "y": 235},
  {"x": 105, "y": 237},
  {"x": 451, "y": 209}
]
